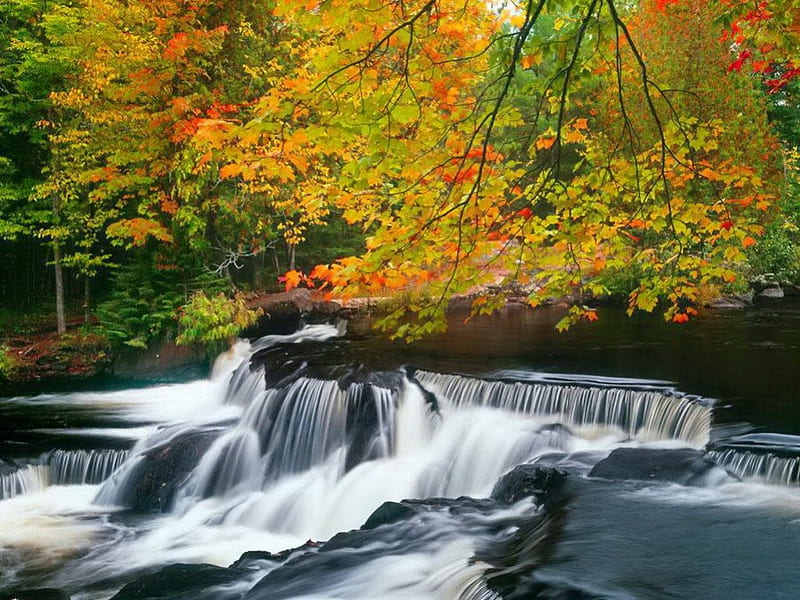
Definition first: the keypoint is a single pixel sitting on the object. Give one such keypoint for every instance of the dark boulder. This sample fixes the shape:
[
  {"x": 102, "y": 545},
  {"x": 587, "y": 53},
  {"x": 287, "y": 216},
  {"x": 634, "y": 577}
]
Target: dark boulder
[
  {"x": 255, "y": 559},
  {"x": 156, "y": 478},
  {"x": 544, "y": 484},
  {"x": 683, "y": 466},
  {"x": 183, "y": 582},
  {"x": 389, "y": 512}
]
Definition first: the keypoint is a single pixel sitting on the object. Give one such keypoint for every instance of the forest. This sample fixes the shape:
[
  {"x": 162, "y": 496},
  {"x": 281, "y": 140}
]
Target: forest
[{"x": 161, "y": 161}]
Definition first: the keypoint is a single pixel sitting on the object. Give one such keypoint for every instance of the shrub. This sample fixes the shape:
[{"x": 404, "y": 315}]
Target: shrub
[
  {"x": 212, "y": 320},
  {"x": 8, "y": 362}
]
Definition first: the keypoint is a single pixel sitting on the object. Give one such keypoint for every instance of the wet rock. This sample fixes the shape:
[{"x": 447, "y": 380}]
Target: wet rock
[
  {"x": 772, "y": 292},
  {"x": 683, "y": 466},
  {"x": 183, "y": 582},
  {"x": 283, "y": 312},
  {"x": 164, "y": 468},
  {"x": 731, "y": 302},
  {"x": 255, "y": 559},
  {"x": 389, "y": 512},
  {"x": 791, "y": 290},
  {"x": 543, "y": 483},
  {"x": 40, "y": 594},
  {"x": 165, "y": 361}
]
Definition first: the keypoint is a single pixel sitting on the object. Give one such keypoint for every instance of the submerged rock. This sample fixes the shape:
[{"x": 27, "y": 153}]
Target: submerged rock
[
  {"x": 683, "y": 466},
  {"x": 183, "y": 582}
]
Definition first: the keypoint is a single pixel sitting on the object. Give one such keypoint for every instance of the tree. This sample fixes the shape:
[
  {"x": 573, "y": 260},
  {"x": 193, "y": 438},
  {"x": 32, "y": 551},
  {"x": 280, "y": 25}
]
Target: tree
[
  {"x": 32, "y": 65},
  {"x": 448, "y": 210},
  {"x": 472, "y": 145}
]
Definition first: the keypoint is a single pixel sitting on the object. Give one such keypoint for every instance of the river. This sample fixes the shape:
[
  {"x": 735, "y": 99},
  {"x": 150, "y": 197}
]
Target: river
[{"x": 625, "y": 459}]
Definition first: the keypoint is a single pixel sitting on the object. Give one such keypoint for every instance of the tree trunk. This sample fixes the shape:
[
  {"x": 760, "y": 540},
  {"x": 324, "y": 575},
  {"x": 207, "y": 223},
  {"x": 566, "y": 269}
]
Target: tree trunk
[
  {"x": 87, "y": 297},
  {"x": 291, "y": 249},
  {"x": 61, "y": 321}
]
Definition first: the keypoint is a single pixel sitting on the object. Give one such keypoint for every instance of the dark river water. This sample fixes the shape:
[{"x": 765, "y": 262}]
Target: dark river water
[{"x": 660, "y": 462}]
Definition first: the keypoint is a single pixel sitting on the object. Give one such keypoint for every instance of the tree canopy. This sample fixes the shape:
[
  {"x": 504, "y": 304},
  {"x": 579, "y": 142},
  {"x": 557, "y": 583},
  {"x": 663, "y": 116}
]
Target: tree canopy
[{"x": 575, "y": 148}]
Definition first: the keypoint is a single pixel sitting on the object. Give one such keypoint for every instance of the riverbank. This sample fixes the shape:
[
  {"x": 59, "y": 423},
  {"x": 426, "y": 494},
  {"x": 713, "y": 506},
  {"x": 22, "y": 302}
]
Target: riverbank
[{"x": 39, "y": 360}]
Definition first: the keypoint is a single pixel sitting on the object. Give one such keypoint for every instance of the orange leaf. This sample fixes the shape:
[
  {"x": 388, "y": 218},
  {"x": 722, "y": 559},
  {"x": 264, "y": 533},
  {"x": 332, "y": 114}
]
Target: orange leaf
[
  {"x": 710, "y": 175},
  {"x": 748, "y": 241},
  {"x": 292, "y": 279},
  {"x": 545, "y": 143},
  {"x": 228, "y": 171},
  {"x": 680, "y": 318}
]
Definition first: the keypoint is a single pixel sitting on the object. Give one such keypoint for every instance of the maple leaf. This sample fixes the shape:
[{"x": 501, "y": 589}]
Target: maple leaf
[
  {"x": 545, "y": 143},
  {"x": 291, "y": 279}
]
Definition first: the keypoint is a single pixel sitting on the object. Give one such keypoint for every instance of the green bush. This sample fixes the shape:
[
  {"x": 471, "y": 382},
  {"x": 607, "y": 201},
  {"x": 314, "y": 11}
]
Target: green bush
[
  {"x": 8, "y": 362},
  {"x": 143, "y": 304},
  {"x": 212, "y": 320},
  {"x": 776, "y": 254}
]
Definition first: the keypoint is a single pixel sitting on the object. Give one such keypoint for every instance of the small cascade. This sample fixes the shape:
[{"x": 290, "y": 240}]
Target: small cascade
[
  {"x": 62, "y": 467},
  {"x": 232, "y": 459},
  {"x": 310, "y": 422},
  {"x": 646, "y": 415},
  {"x": 292, "y": 429},
  {"x": 27, "y": 480},
  {"x": 764, "y": 467},
  {"x": 78, "y": 467},
  {"x": 245, "y": 384}
]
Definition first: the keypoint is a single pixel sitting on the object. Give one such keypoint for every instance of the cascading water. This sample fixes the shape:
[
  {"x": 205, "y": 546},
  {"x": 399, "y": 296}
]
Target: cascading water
[
  {"x": 26, "y": 480},
  {"x": 269, "y": 466},
  {"x": 645, "y": 415},
  {"x": 761, "y": 467},
  {"x": 62, "y": 467}
]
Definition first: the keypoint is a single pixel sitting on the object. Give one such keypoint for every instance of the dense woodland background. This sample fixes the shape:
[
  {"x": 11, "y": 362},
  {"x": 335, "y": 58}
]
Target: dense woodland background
[{"x": 161, "y": 160}]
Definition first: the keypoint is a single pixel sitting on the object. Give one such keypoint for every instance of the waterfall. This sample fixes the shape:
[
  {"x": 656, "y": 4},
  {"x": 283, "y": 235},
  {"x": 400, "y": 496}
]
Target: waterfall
[
  {"x": 78, "y": 467},
  {"x": 292, "y": 429},
  {"x": 62, "y": 467},
  {"x": 646, "y": 415},
  {"x": 26, "y": 480},
  {"x": 765, "y": 467}
]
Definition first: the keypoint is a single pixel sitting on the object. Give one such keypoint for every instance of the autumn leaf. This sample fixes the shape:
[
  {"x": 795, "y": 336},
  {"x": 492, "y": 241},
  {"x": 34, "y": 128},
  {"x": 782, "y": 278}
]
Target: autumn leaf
[
  {"x": 545, "y": 143},
  {"x": 291, "y": 279}
]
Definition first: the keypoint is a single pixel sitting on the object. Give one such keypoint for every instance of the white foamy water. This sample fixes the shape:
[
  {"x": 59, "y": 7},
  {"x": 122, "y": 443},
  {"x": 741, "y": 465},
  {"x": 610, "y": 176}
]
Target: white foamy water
[{"x": 316, "y": 457}]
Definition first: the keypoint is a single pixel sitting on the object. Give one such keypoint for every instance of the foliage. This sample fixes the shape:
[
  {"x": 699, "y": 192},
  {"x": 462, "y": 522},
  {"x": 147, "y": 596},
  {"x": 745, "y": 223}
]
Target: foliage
[
  {"x": 146, "y": 296},
  {"x": 32, "y": 65},
  {"x": 8, "y": 362},
  {"x": 777, "y": 256},
  {"x": 566, "y": 146},
  {"x": 212, "y": 320},
  {"x": 446, "y": 208}
]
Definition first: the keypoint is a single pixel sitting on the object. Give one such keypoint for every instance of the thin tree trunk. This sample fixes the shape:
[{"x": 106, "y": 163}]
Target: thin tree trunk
[
  {"x": 61, "y": 321},
  {"x": 276, "y": 261},
  {"x": 87, "y": 297},
  {"x": 291, "y": 256}
]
